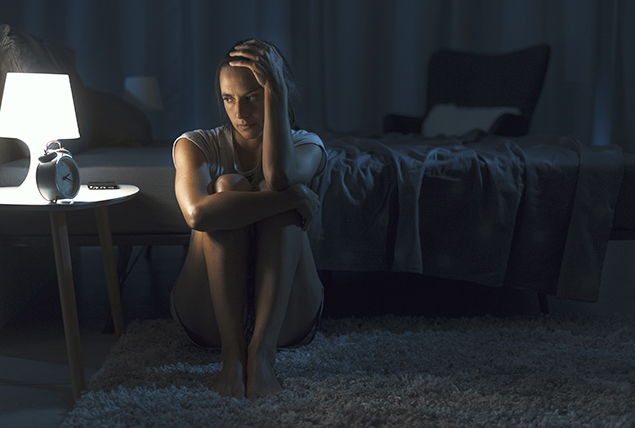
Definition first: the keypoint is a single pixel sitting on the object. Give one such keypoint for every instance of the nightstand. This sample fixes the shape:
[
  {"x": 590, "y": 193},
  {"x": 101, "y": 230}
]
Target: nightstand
[{"x": 98, "y": 200}]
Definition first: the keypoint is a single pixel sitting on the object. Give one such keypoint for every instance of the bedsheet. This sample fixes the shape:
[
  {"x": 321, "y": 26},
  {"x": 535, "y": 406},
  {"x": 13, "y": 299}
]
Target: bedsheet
[{"x": 532, "y": 212}]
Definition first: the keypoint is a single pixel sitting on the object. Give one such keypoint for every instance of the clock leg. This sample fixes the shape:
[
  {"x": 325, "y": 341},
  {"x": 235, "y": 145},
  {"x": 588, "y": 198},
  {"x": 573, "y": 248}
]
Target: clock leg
[
  {"x": 62, "y": 251},
  {"x": 110, "y": 267}
]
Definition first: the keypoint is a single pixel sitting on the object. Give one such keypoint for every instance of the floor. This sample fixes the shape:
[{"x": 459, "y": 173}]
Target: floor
[{"x": 35, "y": 388}]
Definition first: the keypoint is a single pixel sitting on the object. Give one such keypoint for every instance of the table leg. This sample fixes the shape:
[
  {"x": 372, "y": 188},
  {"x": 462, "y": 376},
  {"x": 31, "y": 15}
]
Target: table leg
[
  {"x": 110, "y": 268},
  {"x": 62, "y": 251}
]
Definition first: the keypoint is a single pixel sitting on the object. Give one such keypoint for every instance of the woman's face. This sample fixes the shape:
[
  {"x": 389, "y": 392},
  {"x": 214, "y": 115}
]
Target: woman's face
[{"x": 243, "y": 98}]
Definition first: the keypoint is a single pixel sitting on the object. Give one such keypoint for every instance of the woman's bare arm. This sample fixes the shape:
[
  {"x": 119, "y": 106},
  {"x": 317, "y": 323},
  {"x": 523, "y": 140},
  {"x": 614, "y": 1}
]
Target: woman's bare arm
[
  {"x": 205, "y": 210},
  {"x": 283, "y": 164}
]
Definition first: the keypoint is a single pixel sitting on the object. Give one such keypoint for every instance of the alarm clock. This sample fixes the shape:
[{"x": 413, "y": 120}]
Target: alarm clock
[{"x": 57, "y": 174}]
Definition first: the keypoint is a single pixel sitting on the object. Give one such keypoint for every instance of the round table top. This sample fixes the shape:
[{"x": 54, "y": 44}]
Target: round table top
[{"x": 11, "y": 198}]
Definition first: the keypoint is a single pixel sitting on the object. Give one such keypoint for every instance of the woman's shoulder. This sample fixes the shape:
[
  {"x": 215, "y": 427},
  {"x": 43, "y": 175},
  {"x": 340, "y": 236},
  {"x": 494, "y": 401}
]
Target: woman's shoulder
[
  {"x": 205, "y": 136},
  {"x": 300, "y": 136},
  {"x": 210, "y": 141}
]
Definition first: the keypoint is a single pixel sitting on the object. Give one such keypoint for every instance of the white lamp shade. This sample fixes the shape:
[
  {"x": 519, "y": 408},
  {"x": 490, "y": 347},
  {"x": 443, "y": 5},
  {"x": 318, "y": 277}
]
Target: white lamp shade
[
  {"x": 38, "y": 107},
  {"x": 143, "y": 92}
]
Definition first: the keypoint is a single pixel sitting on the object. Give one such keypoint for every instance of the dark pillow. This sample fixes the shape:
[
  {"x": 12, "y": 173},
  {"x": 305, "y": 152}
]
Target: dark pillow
[
  {"x": 21, "y": 52},
  {"x": 117, "y": 122}
]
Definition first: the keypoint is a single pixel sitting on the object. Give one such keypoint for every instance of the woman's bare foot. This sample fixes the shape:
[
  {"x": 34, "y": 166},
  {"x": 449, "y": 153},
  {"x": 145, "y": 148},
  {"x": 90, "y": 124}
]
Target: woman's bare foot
[
  {"x": 261, "y": 378},
  {"x": 231, "y": 382}
]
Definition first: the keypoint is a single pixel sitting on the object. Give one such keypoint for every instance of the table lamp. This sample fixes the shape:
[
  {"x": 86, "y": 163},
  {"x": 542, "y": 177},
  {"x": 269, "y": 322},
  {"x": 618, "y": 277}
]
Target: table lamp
[{"x": 37, "y": 108}]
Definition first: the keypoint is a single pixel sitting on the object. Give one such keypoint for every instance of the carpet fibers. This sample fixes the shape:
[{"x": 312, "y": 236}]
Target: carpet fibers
[{"x": 384, "y": 371}]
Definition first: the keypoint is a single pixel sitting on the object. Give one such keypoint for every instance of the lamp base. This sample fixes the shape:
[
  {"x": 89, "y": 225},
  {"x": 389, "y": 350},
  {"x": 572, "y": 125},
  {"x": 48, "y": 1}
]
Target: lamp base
[{"x": 28, "y": 191}]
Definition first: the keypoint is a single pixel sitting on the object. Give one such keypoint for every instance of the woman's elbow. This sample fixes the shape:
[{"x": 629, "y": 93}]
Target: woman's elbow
[
  {"x": 194, "y": 218},
  {"x": 278, "y": 185},
  {"x": 280, "y": 181}
]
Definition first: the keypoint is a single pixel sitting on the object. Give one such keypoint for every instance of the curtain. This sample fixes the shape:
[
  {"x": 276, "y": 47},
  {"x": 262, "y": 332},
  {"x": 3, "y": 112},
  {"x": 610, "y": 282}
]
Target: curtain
[{"x": 355, "y": 60}]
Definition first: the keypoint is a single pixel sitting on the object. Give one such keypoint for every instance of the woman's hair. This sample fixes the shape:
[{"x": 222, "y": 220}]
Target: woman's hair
[{"x": 289, "y": 79}]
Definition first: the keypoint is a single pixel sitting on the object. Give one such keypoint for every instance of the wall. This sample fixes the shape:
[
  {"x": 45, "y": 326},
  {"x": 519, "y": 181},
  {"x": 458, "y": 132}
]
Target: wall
[{"x": 356, "y": 60}]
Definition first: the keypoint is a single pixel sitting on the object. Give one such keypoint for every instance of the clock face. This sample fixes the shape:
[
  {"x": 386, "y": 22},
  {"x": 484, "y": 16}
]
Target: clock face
[{"x": 67, "y": 177}]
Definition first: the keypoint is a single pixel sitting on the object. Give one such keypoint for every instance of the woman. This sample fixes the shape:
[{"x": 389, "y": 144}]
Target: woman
[{"x": 242, "y": 189}]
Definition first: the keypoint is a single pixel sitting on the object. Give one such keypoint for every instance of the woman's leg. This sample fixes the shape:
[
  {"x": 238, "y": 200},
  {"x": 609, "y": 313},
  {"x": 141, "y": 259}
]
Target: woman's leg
[
  {"x": 192, "y": 298},
  {"x": 227, "y": 257},
  {"x": 288, "y": 297},
  {"x": 216, "y": 317}
]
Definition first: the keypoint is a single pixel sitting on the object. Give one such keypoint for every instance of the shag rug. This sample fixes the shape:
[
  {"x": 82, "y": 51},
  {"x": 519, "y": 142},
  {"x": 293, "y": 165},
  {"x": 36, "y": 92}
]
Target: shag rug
[{"x": 385, "y": 371}]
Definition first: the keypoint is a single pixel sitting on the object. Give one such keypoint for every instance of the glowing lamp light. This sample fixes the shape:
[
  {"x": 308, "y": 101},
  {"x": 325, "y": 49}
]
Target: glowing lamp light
[{"x": 37, "y": 108}]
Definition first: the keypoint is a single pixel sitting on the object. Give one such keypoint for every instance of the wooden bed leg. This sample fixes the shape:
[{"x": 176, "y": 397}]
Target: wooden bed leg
[{"x": 543, "y": 303}]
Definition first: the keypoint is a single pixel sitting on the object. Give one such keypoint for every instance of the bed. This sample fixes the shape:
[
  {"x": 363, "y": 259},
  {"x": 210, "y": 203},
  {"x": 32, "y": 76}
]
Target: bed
[{"x": 532, "y": 212}]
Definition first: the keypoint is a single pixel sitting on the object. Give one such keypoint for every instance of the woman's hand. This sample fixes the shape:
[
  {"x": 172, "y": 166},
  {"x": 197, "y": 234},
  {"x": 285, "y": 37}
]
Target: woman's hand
[
  {"x": 263, "y": 60},
  {"x": 307, "y": 203}
]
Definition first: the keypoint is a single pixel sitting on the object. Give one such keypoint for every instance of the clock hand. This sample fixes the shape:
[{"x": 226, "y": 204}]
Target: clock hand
[{"x": 66, "y": 177}]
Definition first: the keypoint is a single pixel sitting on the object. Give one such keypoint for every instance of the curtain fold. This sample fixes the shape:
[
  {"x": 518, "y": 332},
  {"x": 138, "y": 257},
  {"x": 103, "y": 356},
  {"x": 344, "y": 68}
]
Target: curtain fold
[{"x": 356, "y": 60}]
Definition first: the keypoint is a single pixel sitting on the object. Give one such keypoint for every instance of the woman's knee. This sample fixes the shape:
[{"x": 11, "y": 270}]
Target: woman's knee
[
  {"x": 234, "y": 182},
  {"x": 279, "y": 222}
]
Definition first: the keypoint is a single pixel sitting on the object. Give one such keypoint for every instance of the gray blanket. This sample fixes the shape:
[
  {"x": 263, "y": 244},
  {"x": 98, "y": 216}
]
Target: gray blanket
[{"x": 532, "y": 212}]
